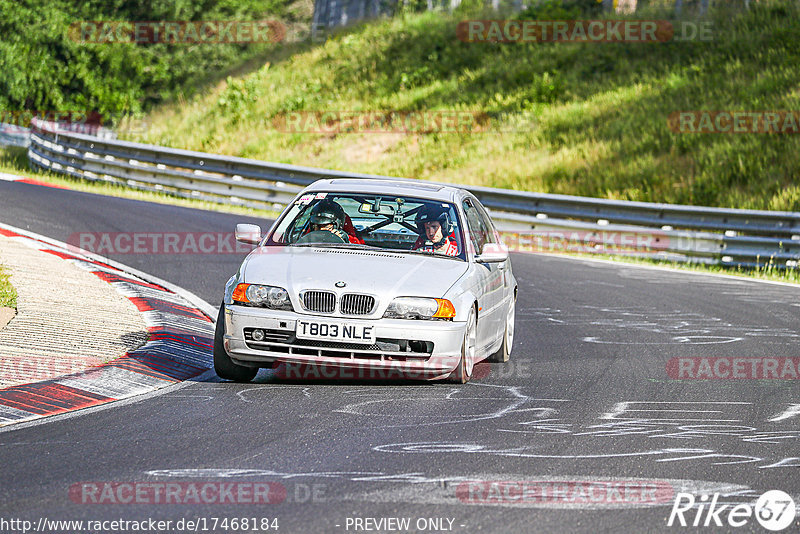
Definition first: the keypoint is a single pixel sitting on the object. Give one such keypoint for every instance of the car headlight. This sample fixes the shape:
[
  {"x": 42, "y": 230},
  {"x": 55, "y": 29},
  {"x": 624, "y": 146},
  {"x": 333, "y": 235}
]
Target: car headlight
[
  {"x": 272, "y": 297},
  {"x": 420, "y": 308}
]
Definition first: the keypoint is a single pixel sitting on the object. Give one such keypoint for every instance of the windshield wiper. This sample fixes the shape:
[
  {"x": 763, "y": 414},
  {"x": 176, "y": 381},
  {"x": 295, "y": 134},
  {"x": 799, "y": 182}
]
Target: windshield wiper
[
  {"x": 421, "y": 252},
  {"x": 333, "y": 245}
]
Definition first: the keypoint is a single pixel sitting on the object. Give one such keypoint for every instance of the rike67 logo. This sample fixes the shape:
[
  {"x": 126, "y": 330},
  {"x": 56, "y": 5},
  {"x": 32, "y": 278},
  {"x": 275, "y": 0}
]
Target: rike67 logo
[{"x": 774, "y": 510}]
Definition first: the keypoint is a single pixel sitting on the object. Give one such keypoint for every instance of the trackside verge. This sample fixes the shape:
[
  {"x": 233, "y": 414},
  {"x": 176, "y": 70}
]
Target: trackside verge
[{"x": 178, "y": 348}]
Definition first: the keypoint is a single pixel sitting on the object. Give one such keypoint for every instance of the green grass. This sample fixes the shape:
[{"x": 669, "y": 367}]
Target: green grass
[
  {"x": 598, "y": 112},
  {"x": 8, "y": 295}
]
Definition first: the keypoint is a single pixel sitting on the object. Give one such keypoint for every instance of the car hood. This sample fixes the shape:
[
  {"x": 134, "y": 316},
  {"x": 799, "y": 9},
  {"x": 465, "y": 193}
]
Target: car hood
[{"x": 363, "y": 271}]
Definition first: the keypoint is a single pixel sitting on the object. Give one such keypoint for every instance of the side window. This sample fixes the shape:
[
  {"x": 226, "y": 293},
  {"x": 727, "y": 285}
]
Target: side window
[
  {"x": 478, "y": 232},
  {"x": 491, "y": 236},
  {"x": 282, "y": 233}
]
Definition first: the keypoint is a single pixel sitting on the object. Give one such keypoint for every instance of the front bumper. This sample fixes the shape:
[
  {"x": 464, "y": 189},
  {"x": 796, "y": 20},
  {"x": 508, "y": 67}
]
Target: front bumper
[{"x": 446, "y": 338}]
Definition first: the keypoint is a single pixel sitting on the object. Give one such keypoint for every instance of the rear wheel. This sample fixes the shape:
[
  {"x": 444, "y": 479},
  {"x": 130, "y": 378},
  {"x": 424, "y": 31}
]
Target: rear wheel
[
  {"x": 463, "y": 372},
  {"x": 223, "y": 365},
  {"x": 504, "y": 352}
]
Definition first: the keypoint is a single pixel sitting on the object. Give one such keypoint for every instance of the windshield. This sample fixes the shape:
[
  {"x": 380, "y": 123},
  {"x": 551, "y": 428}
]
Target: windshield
[{"x": 398, "y": 223}]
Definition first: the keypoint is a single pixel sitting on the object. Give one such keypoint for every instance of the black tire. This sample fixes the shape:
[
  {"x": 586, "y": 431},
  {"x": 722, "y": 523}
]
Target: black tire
[
  {"x": 223, "y": 366},
  {"x": 460, "y": 375},
  {"x": 504, "y": 352}
]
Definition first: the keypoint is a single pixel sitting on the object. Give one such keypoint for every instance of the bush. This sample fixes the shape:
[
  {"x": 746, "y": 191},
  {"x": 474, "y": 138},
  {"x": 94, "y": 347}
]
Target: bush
[{"x": 45, "y": 69}]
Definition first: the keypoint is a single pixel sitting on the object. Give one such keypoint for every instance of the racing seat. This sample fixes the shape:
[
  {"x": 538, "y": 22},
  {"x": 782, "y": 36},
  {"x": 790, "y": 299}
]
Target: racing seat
[{"x": 350, "y": 230}]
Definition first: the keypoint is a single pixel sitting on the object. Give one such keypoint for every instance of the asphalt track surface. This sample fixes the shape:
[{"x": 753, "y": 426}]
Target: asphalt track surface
[{"x": 586, "y": 397}]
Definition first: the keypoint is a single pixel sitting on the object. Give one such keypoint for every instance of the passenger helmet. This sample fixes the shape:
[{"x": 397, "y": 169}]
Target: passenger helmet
[{"x": 327, "y": 212}]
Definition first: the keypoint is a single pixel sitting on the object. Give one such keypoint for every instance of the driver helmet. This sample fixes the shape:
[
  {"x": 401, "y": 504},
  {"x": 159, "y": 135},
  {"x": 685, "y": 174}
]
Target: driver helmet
[
  {"x": 327, "y": 212},
  {"x": 434, "y": 213}
]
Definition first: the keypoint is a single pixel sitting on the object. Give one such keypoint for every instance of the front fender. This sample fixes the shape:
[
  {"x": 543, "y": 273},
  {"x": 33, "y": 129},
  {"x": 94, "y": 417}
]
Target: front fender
[
  {"x": 230, "y": 285},
  {"x": 463, "y": 299},
  {"x": 463, "y": 294}
]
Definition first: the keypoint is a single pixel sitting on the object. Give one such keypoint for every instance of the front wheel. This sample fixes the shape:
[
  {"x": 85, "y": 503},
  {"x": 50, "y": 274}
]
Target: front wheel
[
  {"x": 223, "y": 365},
  {"x": 463, "y": 372}
]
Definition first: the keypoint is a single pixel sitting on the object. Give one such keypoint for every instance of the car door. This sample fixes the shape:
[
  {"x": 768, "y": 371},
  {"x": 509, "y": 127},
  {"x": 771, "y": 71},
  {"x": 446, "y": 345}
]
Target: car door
[
  {"x": 507, "y": 293},
  {"x": 490, "y": 276}
]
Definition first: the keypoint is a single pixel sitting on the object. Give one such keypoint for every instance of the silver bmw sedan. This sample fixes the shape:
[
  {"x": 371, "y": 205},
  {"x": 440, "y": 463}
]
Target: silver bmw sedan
[{"x": 370, "y": 279}]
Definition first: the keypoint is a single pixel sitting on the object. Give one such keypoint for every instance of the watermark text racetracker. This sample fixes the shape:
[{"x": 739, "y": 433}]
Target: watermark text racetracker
[
  {"x": 565, "y": 493},
  {"x": 400, "y": 370},
  {"x": 588, "y": 241},
  {"x": 34, "y": 370},
  {"x": 178, "y": 31},
  {"x": 105, "y": 243},
  {"x": 733, "y": 368},
  {"x": 735, "y": 122},
  {"x": 196, "y": 492},
  {"x": 209, "y": 492},
  {"x": 416, "y": 122},
  {"x": 383, "y": 121},
  {"x": 85, "y": 121},
  {"x": 581, "y": 31}
]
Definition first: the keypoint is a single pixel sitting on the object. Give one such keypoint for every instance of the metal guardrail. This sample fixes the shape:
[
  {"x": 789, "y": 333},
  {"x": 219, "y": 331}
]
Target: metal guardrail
[
  {"x": 14, "y": 135},
  {"x": 11, "y": 135},
  {"x": 529, "y": 221}
]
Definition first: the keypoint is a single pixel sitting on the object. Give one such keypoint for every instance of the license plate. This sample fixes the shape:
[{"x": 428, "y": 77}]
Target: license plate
[{"x": 333, "y": 331}]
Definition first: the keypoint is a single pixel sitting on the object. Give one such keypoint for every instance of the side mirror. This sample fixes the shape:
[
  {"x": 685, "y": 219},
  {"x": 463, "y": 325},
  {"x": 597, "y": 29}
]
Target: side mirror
[
  {"x": 493, "y": 253},
  {"x": 248, "y": 233}
]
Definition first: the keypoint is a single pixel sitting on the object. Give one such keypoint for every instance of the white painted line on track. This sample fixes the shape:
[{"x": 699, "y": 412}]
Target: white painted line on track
[{"x": 669, "y": 269}]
